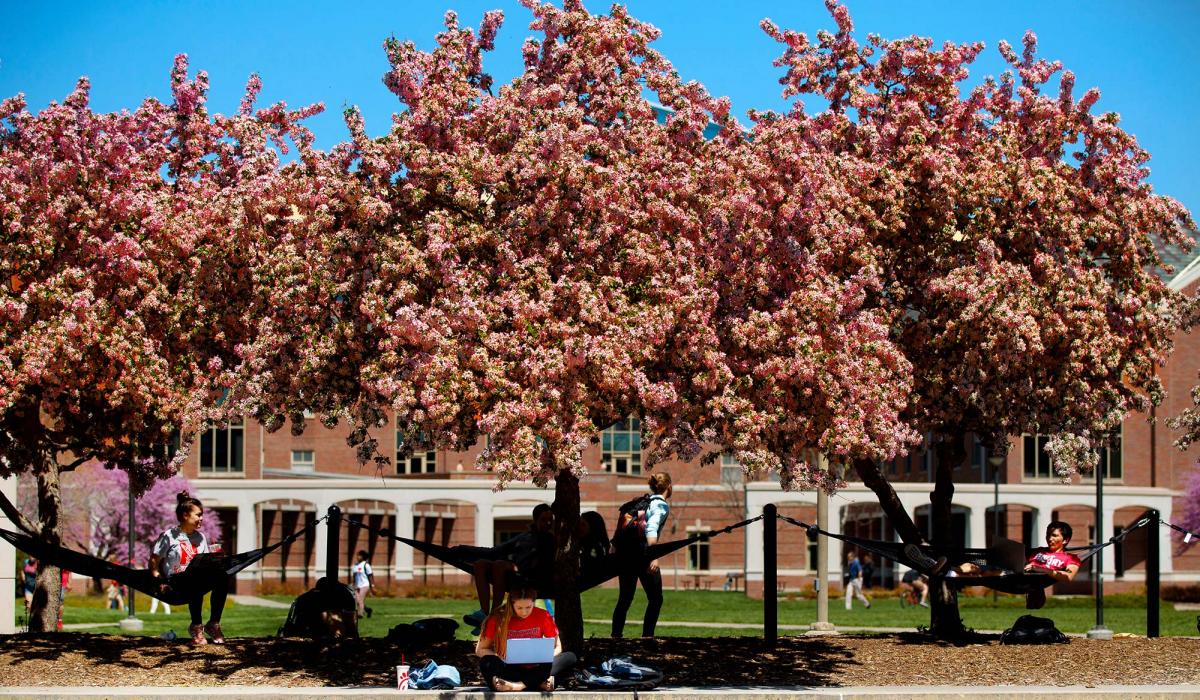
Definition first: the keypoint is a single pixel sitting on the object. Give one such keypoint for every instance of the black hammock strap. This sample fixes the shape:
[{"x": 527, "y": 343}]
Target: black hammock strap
[
  {"x": 203, "y": 574},
  {"x": 1009, "y": 581},
  {"x": 463, "y": 557}
]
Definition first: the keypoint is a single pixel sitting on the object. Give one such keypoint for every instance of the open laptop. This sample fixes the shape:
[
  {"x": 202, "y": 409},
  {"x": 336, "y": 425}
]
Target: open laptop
[{"x": 529, "y": 651}]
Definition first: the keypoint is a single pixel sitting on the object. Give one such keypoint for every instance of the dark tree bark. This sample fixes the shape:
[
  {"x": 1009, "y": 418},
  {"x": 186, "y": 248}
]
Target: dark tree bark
[
  {"x": 43, "y": 611},
  {"x": 568, "y": 609},
  {"x": 874, "y": 479},
  {"x": 945, "y": 620}
]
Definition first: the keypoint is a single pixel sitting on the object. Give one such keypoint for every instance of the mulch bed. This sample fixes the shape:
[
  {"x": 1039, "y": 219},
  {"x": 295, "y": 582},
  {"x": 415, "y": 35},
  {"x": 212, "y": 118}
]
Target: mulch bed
[{"x": 904, "y": 659}]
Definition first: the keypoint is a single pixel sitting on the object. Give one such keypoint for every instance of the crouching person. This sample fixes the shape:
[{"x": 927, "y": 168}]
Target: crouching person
[
  {"x": 520, "y": 619},
  {"x": 328, "y": 611}
]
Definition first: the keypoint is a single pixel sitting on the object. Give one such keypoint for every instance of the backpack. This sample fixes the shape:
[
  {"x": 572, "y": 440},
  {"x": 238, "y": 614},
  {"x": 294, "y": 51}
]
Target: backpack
[
  {"x": 1033, "y": 630},
  {"x": 631, "y": 522},
  {"x": 619, "y": 673}
]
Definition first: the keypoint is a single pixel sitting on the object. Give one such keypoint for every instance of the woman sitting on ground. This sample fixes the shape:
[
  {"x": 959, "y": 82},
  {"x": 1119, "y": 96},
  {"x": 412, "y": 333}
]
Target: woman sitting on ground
[
  {"x": 174, "y": 550},
  {"x": 519, "y": 618}
]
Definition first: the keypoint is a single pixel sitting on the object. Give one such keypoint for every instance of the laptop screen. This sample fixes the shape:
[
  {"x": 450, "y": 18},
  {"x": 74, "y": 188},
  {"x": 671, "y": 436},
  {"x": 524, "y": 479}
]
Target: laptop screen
[{"x": 529, "y": 651}]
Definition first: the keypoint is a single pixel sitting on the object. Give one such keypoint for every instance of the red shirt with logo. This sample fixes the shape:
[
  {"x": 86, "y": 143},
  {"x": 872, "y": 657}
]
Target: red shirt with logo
[
  {"x": 1054, "y": 561},
  {"x": 538, "y": 624}
]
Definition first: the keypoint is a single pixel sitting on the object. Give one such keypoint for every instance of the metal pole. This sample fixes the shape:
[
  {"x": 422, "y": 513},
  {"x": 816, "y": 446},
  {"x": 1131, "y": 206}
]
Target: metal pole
[
  {"x": 1153, "y": 562},
  {"x": 770, "y": 574},
  {"x": 132, "y": 524},
  {"x": 822, "y": 624},
  {"x": 1099, "y": 631},
  {"x": 333, "y": 540},
  {"x": 131, "y": 623}
]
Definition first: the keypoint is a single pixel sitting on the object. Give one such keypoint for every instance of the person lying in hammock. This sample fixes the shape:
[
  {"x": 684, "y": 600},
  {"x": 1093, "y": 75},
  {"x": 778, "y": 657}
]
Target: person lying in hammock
[
  {"x": 530, "y": 553},
  {"x": 1053, "y": 560}
]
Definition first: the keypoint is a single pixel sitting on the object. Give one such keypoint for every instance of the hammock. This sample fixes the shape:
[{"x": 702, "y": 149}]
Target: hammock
[
  {"x": 463, "y": 557},
  {"x": 201, "y": 576},
  {"x": 996, "y": 562}
]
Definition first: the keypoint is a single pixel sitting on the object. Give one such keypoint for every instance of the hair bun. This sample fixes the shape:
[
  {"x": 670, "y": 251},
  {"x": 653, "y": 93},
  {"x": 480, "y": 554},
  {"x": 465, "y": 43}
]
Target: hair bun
[{"x": 183, "y": 497}]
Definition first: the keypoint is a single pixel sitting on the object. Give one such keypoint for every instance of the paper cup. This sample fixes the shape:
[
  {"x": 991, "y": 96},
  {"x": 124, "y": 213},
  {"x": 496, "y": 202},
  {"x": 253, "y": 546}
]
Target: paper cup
[{"x": 402, "y": 678}]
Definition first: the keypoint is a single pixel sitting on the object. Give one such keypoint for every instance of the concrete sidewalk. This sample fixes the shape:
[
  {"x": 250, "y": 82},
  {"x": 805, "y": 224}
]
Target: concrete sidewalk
[{"x": 1140, "y": 692}]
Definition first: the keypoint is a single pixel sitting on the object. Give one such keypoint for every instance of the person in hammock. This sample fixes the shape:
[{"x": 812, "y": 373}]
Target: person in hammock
[
  {"x": 530, "y": 553},
  {"x": 1053, "y": 560},
  {"x": 174, "y": 550}
]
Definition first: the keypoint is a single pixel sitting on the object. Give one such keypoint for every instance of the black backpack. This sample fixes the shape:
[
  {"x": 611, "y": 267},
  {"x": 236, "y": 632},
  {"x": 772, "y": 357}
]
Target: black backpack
[
  {"x": 1033, "y": 630},
  {"x": 631, "y": 522}
]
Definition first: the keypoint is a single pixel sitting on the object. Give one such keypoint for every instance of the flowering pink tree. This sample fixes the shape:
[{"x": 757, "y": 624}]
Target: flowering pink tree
[
  {"x": 126, "y": 240},
  {"x": 1014, "y": 232},
  {"x": 95, "y": 506},
  {"x": 1190, "y": 519}
]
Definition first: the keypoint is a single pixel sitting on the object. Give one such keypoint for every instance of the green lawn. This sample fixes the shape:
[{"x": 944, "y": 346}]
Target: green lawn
[{"x": 1123, "y": 613}]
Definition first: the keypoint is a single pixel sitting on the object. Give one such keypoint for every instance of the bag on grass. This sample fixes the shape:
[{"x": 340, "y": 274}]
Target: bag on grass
[
  {"x": 410, "y": 637},
  {"x": 431, "y": 676},
  {"x": 1033, "y": 630},
  {"x": 619, "y": 673}
]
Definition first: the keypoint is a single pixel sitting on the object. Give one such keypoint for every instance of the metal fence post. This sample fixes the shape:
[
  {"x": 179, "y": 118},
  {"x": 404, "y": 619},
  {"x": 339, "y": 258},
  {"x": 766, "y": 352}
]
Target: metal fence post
[{"x": 770, "y": 574}]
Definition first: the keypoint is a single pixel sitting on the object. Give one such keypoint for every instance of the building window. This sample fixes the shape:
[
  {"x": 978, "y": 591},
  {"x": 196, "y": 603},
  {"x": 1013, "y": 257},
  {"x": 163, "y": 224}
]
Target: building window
[
  {"x": 1037, "y": 460},
  {"x": 1038, "y": 464},
  {"x": 812, "y": 554},
  {"x": 731, "y": 471},
  {"x": 221, "y": 449},
  {"x": 697, "y": 554},
  {"x": 303, "y": 461},
  {"x": 420, "y": 461},
  {"x": 621, "y": 447},
  {"x": 1111, "y": 460}
]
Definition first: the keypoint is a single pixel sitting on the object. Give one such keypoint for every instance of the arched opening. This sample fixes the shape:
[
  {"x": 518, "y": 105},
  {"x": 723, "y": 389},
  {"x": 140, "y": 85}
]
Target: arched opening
[
  {"x": 381, "y": 551},
  {"x": 447, "y": 523},
  {"x": 288, "y": 569},
  {"x": 866, "y": 519},
  {"x": 1011, "y": 521}
]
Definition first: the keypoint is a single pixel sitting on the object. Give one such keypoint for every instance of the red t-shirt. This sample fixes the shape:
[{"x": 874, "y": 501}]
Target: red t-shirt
[
  {"x": 1054, "y": 561},
  {"x": 538, "y": 624}
]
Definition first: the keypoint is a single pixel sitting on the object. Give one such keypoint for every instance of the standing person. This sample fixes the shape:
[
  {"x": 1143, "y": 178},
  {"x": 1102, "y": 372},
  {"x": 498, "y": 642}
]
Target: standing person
[
  {"x": 1052, "y": 560},
  {"x": 62, "y": 595},
  {"x": 30, "y": 571},
  {"x": 174, "y": 549},
  {"x": 868, "y": 569},
  {"x": 116, "y": 599},
  {"x": 639, "y": 526},
  {"x": 854, "y": 587},
  {"x": 519, "y": 618},
  {"x": 364, "y": 582}
]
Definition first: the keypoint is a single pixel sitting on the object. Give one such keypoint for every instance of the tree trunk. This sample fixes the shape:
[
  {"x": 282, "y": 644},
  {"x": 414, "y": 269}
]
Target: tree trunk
[
  {"x": 568, "y": 609},
  {"x": 875, "y": 480},
  {"x": 945, "y": 621},
  {"x": 44, "y": 610}
]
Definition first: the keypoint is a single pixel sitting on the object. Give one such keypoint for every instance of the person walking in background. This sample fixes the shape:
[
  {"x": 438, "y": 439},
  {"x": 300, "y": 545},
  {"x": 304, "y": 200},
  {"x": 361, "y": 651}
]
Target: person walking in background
[
  {"x": 364, "y": 582},
  {"x": 174, "y": 550},
  {"x": 854, "y": 588},
  {"x": 639, "y": 525},
  {"x": 30, "y": 571}
]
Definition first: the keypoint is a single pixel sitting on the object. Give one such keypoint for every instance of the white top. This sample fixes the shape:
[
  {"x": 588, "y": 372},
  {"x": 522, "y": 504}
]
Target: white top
[
  {"x": 176, "y": 550},
  {"x": 361, "y": 570}
]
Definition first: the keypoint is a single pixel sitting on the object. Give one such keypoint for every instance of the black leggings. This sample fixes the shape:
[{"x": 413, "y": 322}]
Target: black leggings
[
  {"x": 216, "y": 602},
  {"x": 652, "y": 584},
  {"x": 532, "y": 675}
]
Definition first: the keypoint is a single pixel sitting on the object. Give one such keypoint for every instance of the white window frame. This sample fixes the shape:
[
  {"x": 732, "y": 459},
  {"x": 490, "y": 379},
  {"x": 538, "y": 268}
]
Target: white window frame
[
  {"x": 698, "y": 550},
  {"x": 731, "y": 471},
  {"x": 621, "y": 447},
  {"x": 304, "y": 461},
  {"x": 418, "y": 462}
]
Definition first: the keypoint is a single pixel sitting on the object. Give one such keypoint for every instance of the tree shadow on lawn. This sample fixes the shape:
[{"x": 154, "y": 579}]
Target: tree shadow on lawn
[{"x": 123, "y": 661}]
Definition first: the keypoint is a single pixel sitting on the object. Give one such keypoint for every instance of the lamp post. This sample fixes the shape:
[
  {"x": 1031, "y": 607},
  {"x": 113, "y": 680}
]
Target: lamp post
[
  {"x": 131, "y": 623},
  {"x": 1100, "y": 631},
  {"x": 822, "y": 624},
  {"x": 997, "y": 461}
]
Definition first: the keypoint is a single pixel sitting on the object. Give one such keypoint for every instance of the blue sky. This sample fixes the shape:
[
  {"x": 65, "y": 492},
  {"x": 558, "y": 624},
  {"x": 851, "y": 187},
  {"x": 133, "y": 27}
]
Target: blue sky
[{"x": 1143, "y": 56}]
